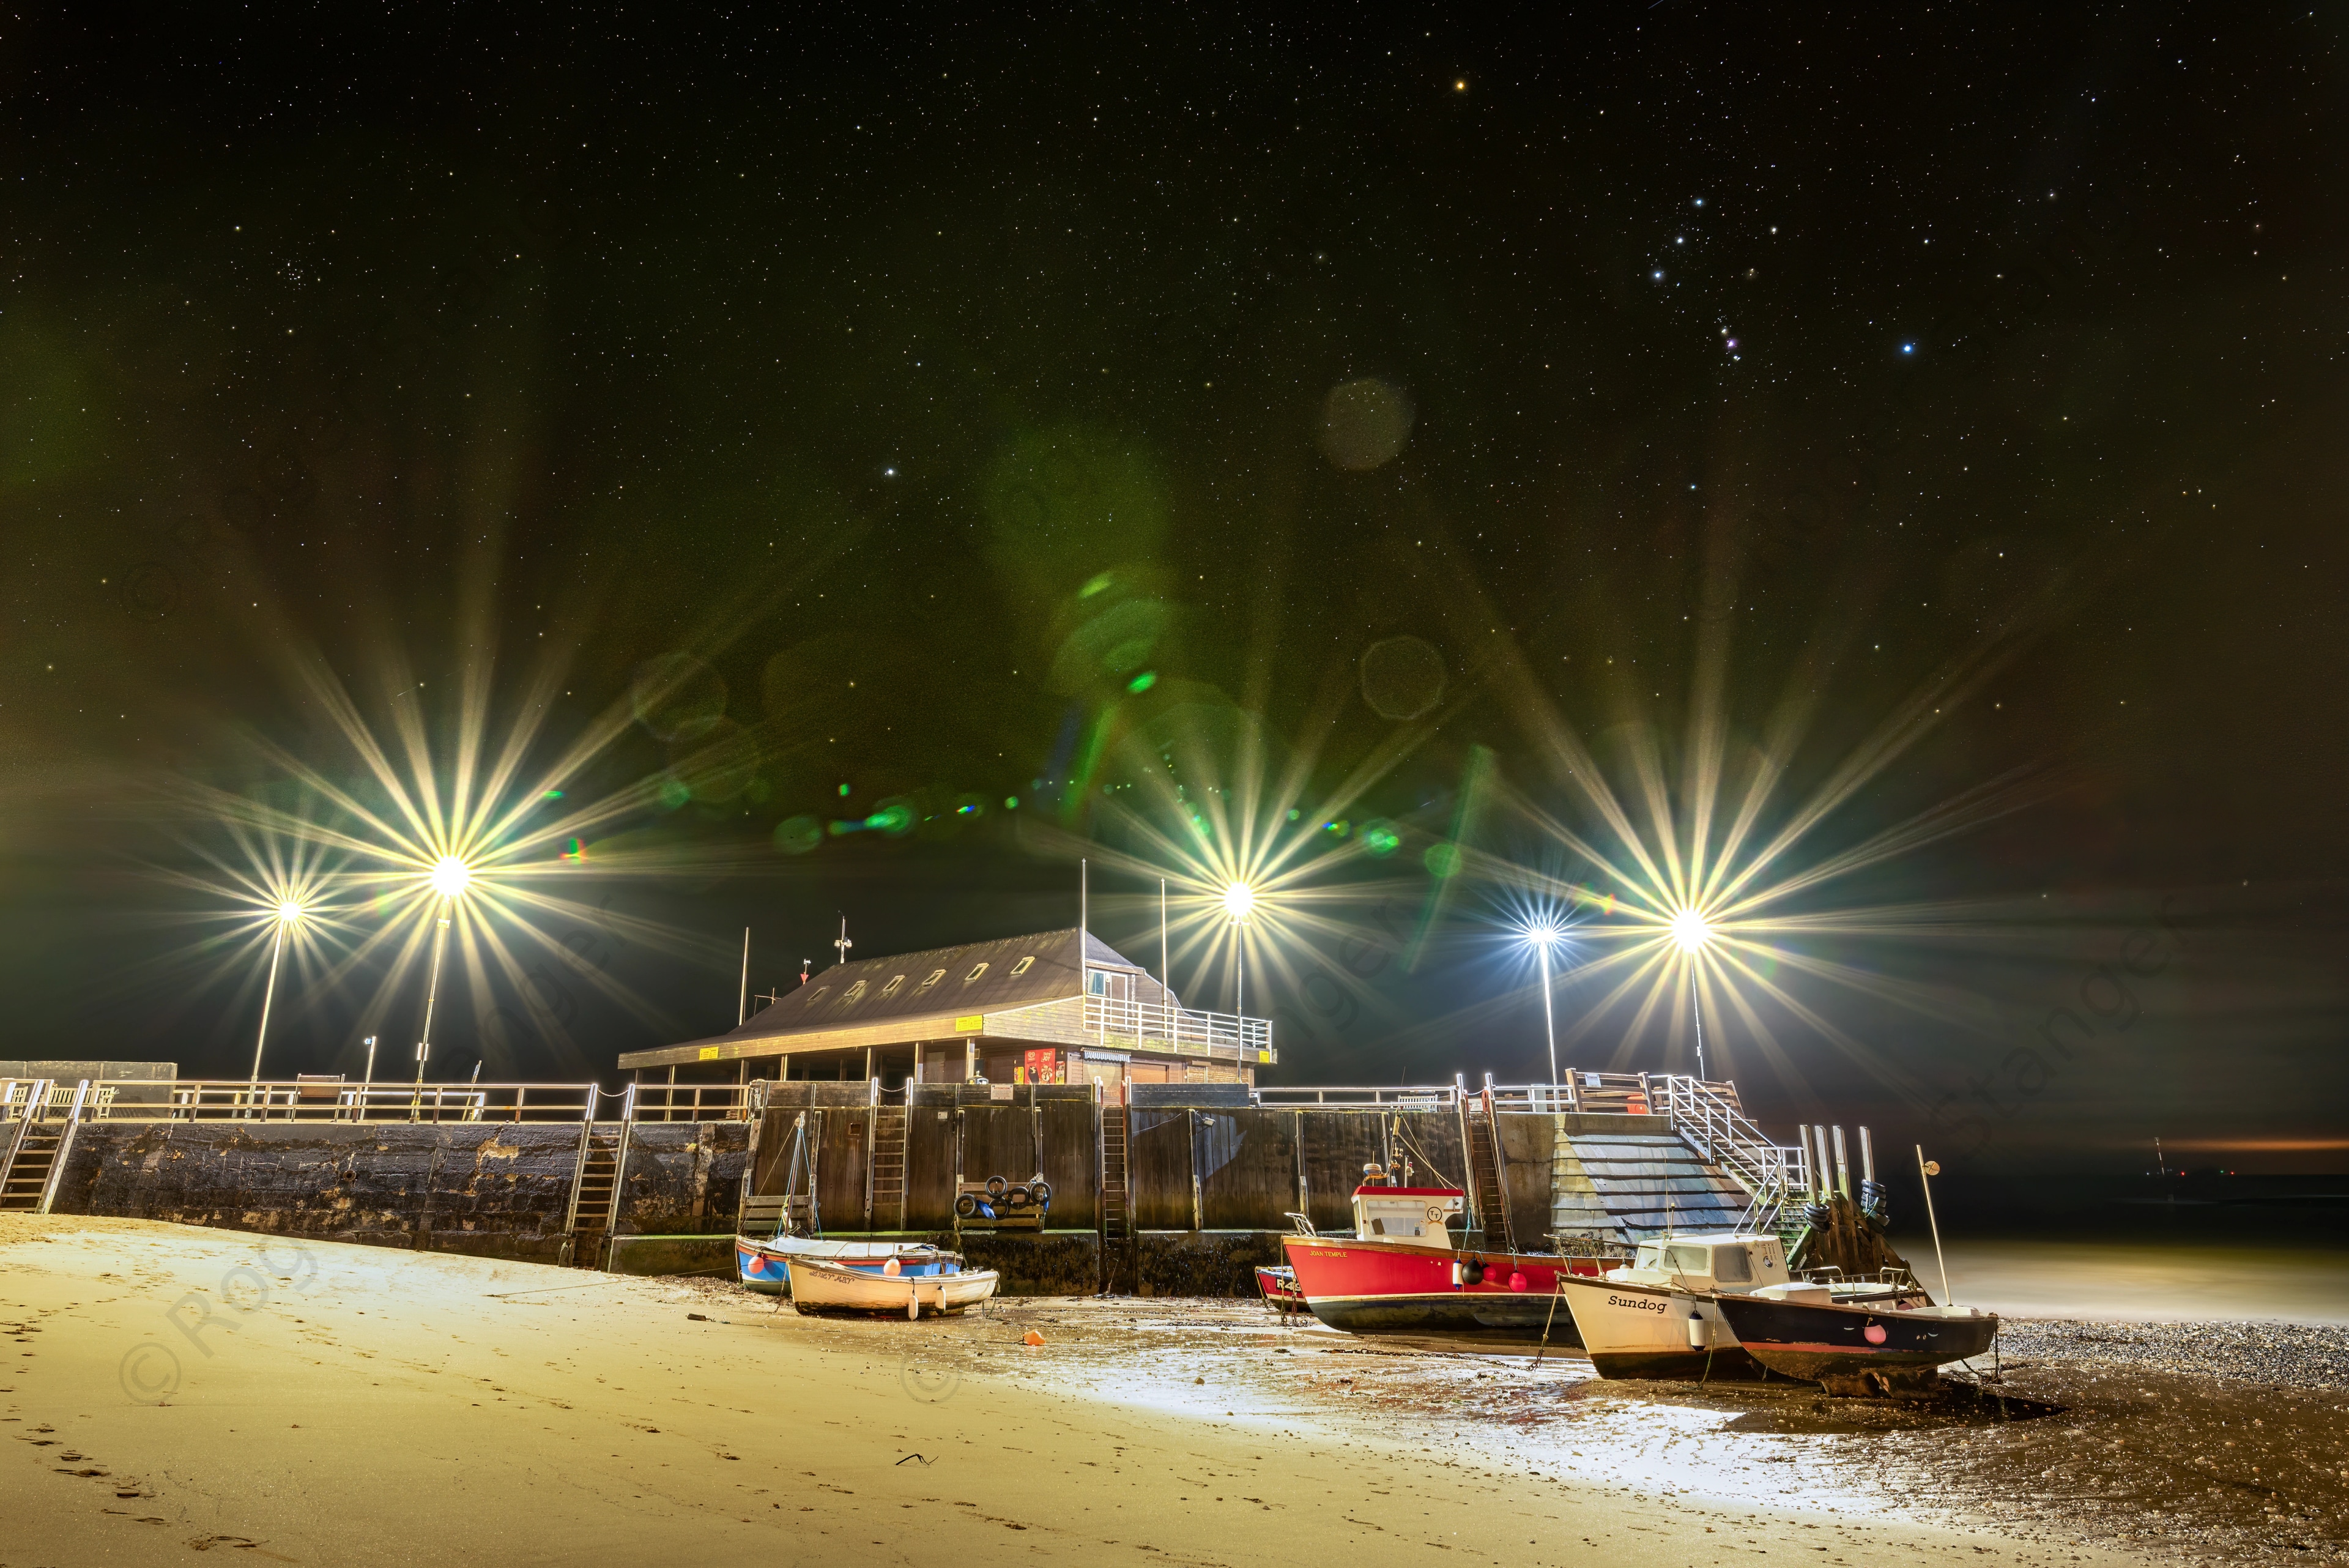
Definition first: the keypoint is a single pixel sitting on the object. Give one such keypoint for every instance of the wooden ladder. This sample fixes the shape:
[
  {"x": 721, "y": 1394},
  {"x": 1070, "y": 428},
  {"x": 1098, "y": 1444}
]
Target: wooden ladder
[
  {"x": 888, "y": 1167},
  {"x": 594, "y": 1191},
  {"x": 1116, "y": 1209},
  {"x": 1485, "y": 1172}
]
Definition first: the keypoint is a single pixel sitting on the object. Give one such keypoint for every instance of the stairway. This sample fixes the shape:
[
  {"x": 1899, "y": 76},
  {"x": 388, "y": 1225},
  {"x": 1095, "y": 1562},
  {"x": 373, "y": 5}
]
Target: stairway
[
  {"x": 888, "y": 1167},
  {"x": 1485, "y": 1173},
  {"x": 595, "y": 1190},
  {"x": 1116, "y": 1216},
  {"x": 26, "y": 1182},
  {"x": 29, "y": 1148}
]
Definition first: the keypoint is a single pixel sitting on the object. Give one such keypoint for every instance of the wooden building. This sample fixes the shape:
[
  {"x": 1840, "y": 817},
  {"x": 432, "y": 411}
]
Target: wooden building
[{"x": 1058, "y": 1007}]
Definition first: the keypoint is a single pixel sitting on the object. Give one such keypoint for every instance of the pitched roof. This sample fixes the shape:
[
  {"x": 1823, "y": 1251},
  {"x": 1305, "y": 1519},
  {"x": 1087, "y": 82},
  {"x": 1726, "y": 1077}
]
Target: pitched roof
[{"x": 977, "y": 976}]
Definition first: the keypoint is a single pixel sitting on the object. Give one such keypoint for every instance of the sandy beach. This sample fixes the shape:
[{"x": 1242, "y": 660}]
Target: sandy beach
[{"x": 169, "y": 1392}]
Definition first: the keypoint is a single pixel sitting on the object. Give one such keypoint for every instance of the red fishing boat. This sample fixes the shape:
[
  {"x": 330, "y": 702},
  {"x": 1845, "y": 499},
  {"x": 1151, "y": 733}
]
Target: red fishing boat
[{"x": 1404, "y": 1269}]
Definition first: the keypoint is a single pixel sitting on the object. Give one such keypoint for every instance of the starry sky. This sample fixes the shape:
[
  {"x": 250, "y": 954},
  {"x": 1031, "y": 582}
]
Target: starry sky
[{"x": 964, "y": 407}]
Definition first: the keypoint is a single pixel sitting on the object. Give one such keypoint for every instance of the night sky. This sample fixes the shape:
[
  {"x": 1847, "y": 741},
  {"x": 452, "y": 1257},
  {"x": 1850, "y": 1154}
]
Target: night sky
[{"x": 892, "y": 415}]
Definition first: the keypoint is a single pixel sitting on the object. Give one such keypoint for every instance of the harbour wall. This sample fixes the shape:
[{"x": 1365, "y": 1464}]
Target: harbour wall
[{"x": 1207, "y": 1188}]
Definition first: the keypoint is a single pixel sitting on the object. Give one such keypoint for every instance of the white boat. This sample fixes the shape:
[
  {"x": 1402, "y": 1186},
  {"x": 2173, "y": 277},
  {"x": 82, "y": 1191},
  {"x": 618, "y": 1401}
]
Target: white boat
[
  {"x": 761, "y": 1263},
  {"x": 941, "y": 1287},
  {"x": 1660, "y": 1316}
]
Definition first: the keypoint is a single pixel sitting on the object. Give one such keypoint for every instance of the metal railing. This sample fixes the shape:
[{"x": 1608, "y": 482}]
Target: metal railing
[
  {"x": 1394, "y": 1097},
  {"x": 689, "y": 1102},
  {"x": 326, "y": 1100},
  {"x": 1715, "y": 1126},
  {"x": 1161, "y": 1026}
]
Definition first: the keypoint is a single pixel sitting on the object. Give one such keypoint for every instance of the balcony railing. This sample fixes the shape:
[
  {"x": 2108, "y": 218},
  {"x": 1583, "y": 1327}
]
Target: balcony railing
[{"x": 1158, "y": 1026}]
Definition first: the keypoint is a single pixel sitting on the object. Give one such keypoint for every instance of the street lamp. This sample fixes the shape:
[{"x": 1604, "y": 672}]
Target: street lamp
[
  {"x": 1543, "y": 938},
  {"x": 1239, "y": 903},
  {"x": 1692, "y": 932},
  {"x": 288, "y": 912},
  {"x": 450, "y": 877}
]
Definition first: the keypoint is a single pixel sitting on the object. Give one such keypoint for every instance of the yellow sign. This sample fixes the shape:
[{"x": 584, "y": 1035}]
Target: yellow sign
[
  {"x": 970, "y": 1025},
  {"x": 709, "y": 1053},
  {"x": 1263, "y": 1055}
]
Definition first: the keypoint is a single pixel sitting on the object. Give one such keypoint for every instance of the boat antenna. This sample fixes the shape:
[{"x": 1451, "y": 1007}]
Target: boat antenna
[{"x": 1926, "y": 1171}]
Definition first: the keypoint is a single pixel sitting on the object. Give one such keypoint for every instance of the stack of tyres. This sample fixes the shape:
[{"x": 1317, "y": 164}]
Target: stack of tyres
[{"x": 1006, "y": 1199}]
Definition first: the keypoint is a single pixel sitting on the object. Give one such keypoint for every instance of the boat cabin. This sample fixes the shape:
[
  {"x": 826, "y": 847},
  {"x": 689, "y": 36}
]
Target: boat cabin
[
  {"x": 1724, "y": 1260},
  {"x": 1415, "y": 1216}
]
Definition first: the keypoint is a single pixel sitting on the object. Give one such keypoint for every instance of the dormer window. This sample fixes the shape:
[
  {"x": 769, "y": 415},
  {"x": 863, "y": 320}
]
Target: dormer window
[
  {"x": 977, "y": 970},
  {"x": 897, "y": 981},
  {"x": 1024, "y": 965}
]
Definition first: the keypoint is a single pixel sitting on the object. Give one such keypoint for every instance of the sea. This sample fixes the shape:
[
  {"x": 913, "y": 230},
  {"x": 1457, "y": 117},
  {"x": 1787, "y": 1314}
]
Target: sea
[{"x": 2250, "y": 1248}]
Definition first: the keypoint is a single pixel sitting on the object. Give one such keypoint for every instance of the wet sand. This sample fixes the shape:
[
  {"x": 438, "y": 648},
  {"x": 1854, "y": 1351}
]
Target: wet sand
[{"x": 166, "y": 1392}]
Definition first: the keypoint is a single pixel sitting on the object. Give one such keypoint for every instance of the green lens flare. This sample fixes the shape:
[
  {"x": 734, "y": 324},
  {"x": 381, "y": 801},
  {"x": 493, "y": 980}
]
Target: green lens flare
[
  {"x": 1381, "y": 839},
  {"x": 1143, "y": 682},
  {"x": 1442, "y": 859}
]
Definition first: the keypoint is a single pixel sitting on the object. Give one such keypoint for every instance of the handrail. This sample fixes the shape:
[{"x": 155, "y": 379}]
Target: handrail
[
  {"x": 1716, "y": 1126},
  {"x": 1165, "y": 1026},
  {"x": 1406, "y": 1097},
  {"x": 689, "y": 1102},
  {"x": 294, "y": 1100}
]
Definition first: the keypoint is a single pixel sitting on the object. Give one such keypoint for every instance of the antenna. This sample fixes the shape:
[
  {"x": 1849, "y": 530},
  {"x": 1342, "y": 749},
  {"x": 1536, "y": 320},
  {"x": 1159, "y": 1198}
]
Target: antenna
[
  {"x": 842, "y": 944},
  {"x": 1084, "y": 907},
  {"x": 742, "y": 1009},
  {"x": 1165, "y": 975}
]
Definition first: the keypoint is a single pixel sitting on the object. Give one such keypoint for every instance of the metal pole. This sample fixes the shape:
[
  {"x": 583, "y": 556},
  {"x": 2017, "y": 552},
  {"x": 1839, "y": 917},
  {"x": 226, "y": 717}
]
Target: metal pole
[
  {"x": 268, "y": 995},
  {"x": 1549, "y": 1021},
  {"x": 431, "y": 997},
  {"x": 742, "y": 1010},
  {"x": 1084, "y": 907},
  {"x": 1925, "y": 1174},
  {"x": 1240, "y": 985},
  {"x": 1696, "y": 1006}
]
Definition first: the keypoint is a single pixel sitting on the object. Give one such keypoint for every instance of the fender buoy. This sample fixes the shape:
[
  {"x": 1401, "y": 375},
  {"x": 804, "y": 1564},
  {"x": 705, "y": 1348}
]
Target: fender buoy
[
  {"x": 1517, "y": 1279},
  {"x": 1472, "y": 1271},
  {"x": 1874, "y": 1334}
]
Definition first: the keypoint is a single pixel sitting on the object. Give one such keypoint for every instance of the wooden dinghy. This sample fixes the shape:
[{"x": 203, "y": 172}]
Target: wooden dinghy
[{"x": 946, "y": 1287}]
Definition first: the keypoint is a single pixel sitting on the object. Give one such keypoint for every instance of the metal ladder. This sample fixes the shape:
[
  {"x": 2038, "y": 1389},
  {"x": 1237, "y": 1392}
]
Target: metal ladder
[
  {"x": 1116, "y": 1212},
  {"x": 28, "y": 1152},
  {"x": 1485, "y": 1168},
  {"x": 888, "y": 1167},
  {"x": 595, "y": 1192}
]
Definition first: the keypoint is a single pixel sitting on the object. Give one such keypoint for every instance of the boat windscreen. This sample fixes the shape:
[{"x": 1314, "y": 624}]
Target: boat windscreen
[{"x": 1731, "y": 1266}]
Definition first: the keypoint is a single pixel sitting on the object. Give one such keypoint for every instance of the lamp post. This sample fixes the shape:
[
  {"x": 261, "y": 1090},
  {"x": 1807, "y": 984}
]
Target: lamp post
[
  {"x": 450, "y": 877},
  {"x": 1692, "y": 931},
  {"x": 1239, "y": 903},
  {"x": 287, "y": 913},
  {"x": 1543, "y": 938}
]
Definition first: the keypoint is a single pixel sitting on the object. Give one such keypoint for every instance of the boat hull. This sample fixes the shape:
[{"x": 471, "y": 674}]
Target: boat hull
[
  {"x": 1642, "y": 1330},
  {"x": 1389, "y": 1287},
  {"x": 818, "y": 1287},
  {"x": 1831, "y": 1344},
  {"x": 762, "y": 1265},
  {"x": 1279, "y": 1288}
]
